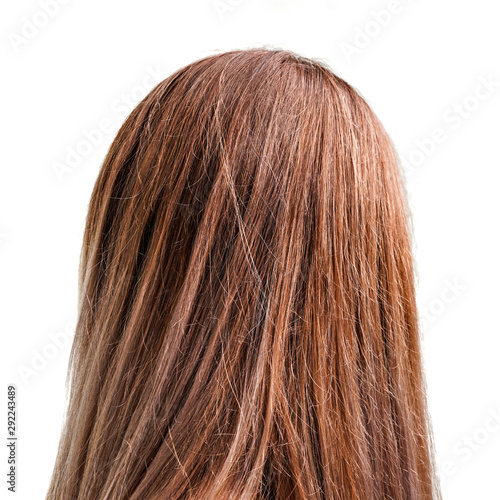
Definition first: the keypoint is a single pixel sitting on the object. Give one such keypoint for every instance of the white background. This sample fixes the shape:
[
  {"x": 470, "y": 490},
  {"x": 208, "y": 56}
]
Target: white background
[{"x": 421, "y": 64}]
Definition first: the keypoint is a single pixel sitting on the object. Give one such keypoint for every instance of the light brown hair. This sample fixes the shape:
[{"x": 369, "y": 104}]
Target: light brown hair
[{"x": 247, "y": 324}]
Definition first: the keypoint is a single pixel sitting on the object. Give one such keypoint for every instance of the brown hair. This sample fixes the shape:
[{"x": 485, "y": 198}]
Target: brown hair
[{"x": 247, "y": 323}]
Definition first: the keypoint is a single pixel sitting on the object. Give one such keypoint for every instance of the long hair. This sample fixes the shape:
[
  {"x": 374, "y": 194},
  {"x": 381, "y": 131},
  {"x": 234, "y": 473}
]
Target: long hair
[{"x": 247, "y": 324}]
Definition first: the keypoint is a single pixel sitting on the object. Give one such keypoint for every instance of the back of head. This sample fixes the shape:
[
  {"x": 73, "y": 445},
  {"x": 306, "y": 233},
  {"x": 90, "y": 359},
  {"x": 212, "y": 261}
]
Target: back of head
[{"x": 247, "y": 323}]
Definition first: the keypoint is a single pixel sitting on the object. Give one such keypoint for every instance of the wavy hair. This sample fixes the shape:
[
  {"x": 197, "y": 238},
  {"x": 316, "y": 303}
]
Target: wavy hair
[{"x": 247, "y": 325}]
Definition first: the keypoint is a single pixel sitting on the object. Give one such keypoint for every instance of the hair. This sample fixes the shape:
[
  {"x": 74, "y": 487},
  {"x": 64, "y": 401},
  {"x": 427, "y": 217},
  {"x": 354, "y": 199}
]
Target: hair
[{"x": 247, "y": 325}]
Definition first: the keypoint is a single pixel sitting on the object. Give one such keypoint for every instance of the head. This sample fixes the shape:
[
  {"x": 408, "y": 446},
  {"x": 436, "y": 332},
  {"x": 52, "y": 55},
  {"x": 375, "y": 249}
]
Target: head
[{"x": 247, "y": 325}]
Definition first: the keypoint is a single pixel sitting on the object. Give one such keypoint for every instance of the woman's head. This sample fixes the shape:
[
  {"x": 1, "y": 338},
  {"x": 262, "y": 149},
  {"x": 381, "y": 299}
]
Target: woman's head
[{"x": 247, "y": 324}]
